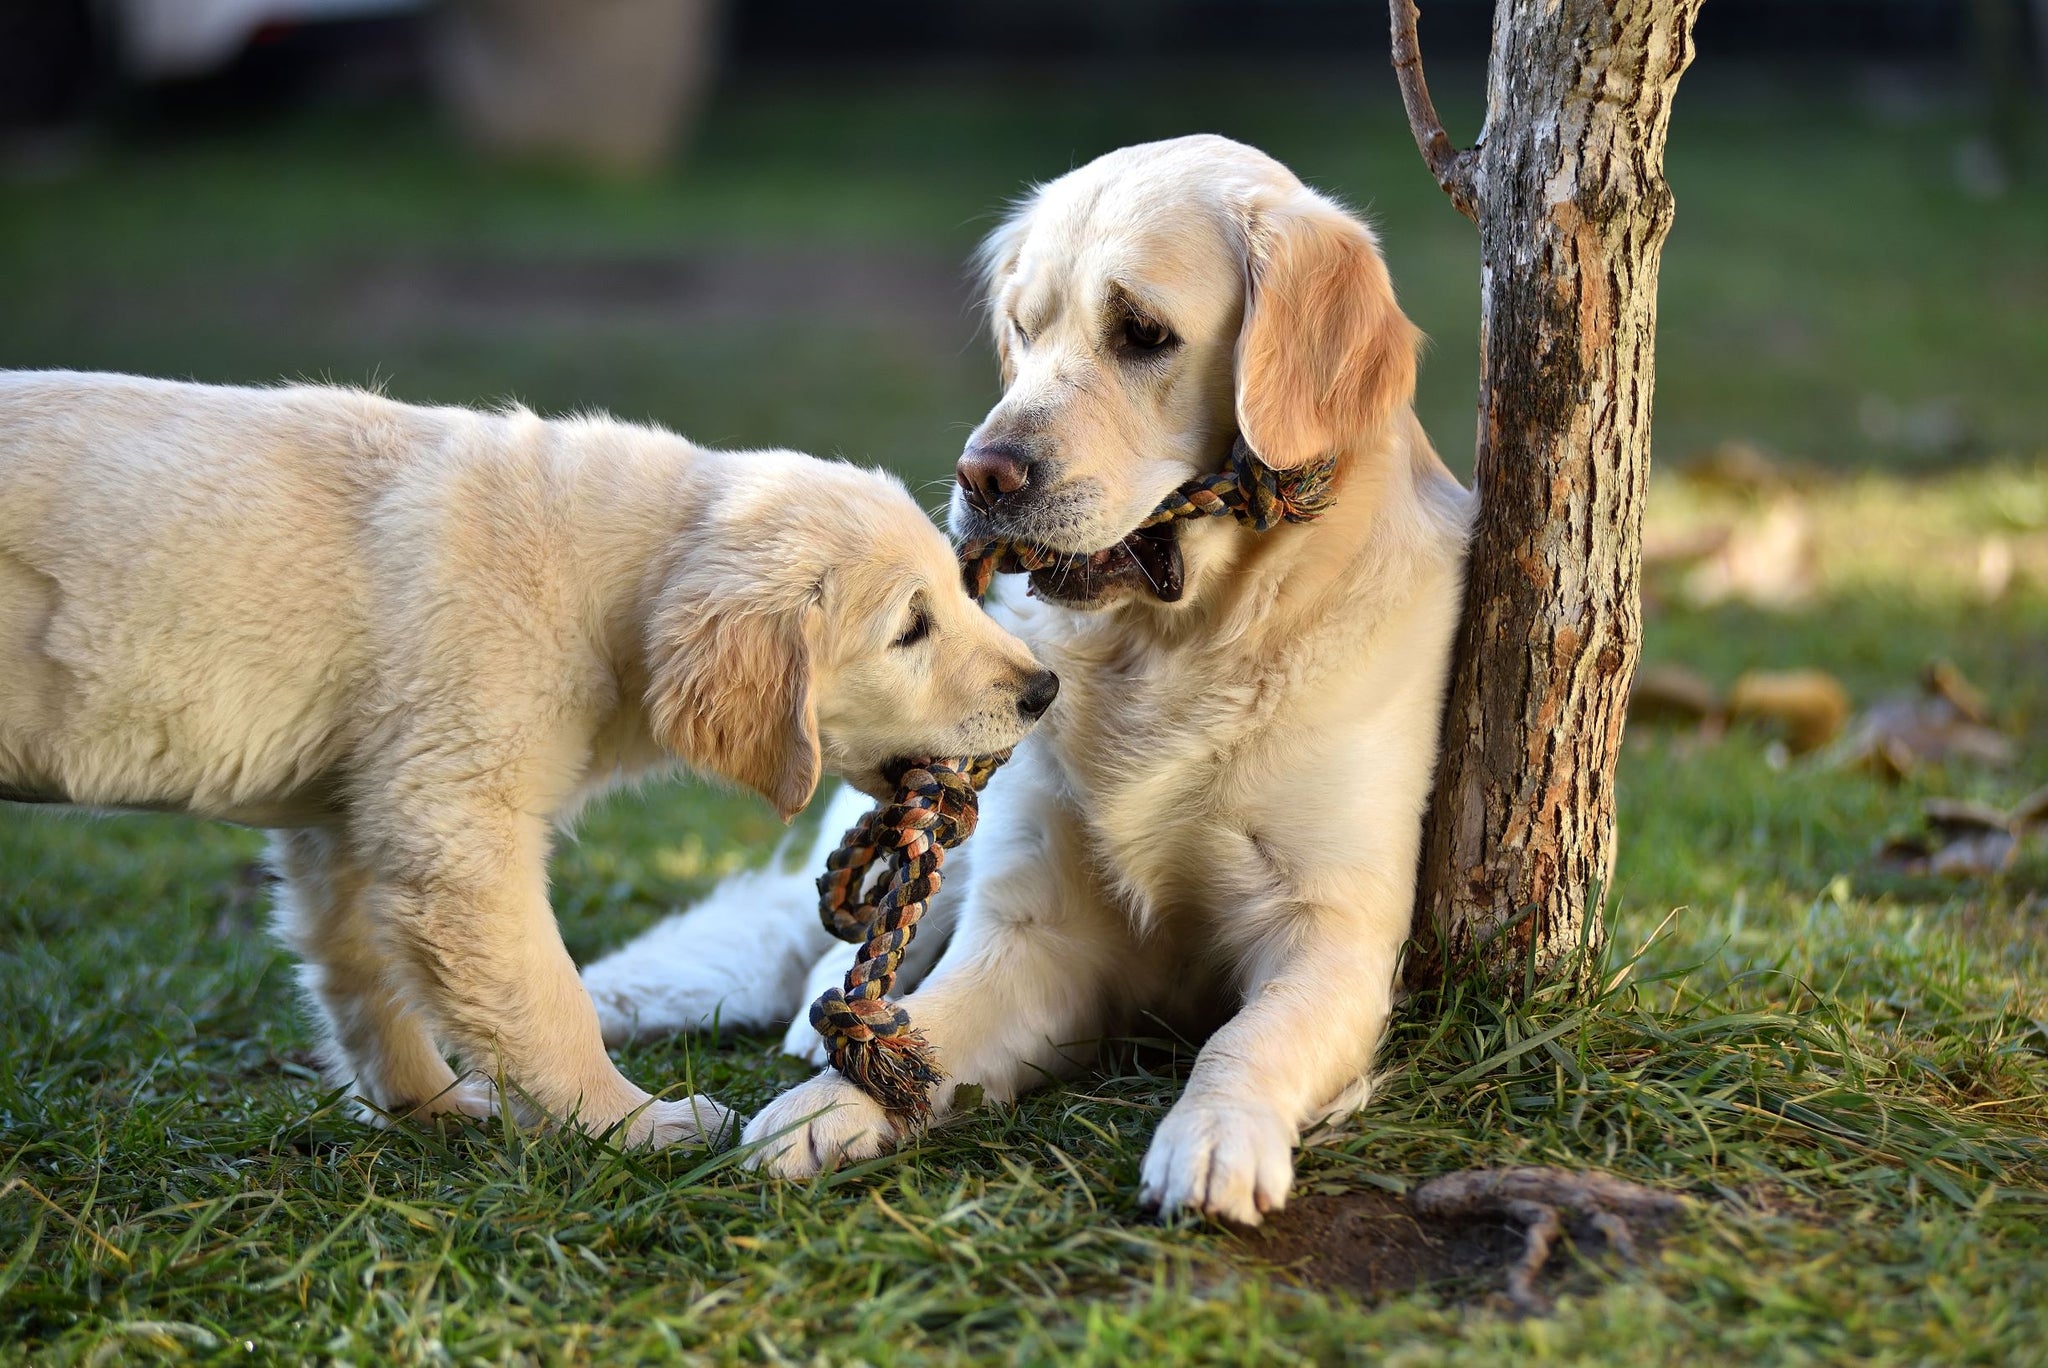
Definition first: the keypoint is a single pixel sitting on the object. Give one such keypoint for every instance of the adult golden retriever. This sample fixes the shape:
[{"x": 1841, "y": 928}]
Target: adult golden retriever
[
  {"x": 1218, "y": 824},
  {"x": 408, "y": 640}
]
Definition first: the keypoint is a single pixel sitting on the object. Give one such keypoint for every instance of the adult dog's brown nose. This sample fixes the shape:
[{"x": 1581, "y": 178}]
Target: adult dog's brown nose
[
  {"x": 1039, "y": 692},
  {"x": 992, "y": 472}
]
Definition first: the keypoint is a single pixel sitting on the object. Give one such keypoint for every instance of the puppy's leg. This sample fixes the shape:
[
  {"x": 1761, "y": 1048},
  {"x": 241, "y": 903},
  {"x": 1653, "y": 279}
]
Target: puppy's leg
[
  {"x": 1317, "y": 1002},
  {"x": 372, "y": 1041},
  {"x": 1020, "y": 997},
  {"x": 466, "y": 907}
]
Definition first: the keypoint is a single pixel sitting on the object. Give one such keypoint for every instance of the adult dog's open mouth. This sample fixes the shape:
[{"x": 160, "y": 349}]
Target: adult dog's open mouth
[
  {"x": 1148, "y": 558},
  {"x": 1250, "y": 492}
]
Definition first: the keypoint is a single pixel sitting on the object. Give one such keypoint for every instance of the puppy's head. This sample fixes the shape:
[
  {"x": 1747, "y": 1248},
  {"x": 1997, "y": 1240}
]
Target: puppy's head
[
  {"x": 815, "y": 620},
  {"x": 1147, "y": 308}
]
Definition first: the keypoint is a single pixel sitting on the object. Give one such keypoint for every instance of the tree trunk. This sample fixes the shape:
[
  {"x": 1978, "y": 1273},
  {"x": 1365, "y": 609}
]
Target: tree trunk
[{"x": 1568, "y": 191}]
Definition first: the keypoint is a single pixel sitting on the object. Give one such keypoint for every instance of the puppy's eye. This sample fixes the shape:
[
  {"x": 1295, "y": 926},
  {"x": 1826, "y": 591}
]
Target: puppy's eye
[
  {"x": 1023, "y": 338},
  {"x": 920, "y": 627},
  {"x": 1143, "y": 334}
]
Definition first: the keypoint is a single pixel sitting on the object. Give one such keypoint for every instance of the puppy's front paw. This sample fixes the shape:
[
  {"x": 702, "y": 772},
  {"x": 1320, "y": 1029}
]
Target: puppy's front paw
[
  {"x": 473, "y": 1097},
  {"x": 1233, "y": 1160},
  {"x": 817, "y": 1125},
  {"x": 694, "y": 1120},
  {"x": 680, "y": 1121}
]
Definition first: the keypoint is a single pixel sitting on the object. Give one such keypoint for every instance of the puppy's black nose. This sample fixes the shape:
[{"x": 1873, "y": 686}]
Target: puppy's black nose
[
  {"x": 1039, "y": 692},
  {"x": 992, "y": 472}
]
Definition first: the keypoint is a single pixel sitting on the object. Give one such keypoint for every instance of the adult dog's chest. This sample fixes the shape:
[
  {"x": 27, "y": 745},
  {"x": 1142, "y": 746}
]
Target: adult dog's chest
[{"x": 1161, "y": 753}]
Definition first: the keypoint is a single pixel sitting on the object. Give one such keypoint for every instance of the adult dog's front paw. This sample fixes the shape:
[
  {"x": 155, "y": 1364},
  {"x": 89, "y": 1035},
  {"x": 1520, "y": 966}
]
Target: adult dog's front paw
[
  {"x": 818, "y": 1125},
  {"x": 1233, "y": 1160}
]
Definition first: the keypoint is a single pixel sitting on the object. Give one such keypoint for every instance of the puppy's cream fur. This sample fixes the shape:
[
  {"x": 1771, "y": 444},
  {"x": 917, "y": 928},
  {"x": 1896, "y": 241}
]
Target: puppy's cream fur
[
  {"x": 1219, "y": 822},
  {"x": 410, "y": 640}
]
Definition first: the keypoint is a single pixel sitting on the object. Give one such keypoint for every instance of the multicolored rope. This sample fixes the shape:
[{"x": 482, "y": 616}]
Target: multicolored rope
[
  {"x": 873, "y": 1044},
  {"x": 886, "y": 870},
  {"x": 1248, "y": 489}
]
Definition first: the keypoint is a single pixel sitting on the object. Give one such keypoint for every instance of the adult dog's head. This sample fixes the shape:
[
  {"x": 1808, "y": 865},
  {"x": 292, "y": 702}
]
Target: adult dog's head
[
  {"x": 1148, "y": 308},
  {"x": 815, "y": 620}
]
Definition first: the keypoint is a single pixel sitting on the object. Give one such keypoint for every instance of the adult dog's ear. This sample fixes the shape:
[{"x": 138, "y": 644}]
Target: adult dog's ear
[
  {"x": 995, "y": 262},
  {"x": 1325, "y": 356},
  {"x": 731, "y": 692}
]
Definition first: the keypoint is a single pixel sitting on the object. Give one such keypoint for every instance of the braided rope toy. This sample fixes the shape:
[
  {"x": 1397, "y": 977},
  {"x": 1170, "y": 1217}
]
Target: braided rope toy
[
  {"x": 886, "y": 869},
  {"x": 1247, "y": 489},
  {"x": 873, "y": 1044}
]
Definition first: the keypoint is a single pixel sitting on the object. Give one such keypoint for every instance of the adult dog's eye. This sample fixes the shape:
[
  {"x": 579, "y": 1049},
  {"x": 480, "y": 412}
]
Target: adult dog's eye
[
  {"x": 920, "y": 627},
  {"x": 1023, "y": 338},
  {"x": 1146, "y": 334}
]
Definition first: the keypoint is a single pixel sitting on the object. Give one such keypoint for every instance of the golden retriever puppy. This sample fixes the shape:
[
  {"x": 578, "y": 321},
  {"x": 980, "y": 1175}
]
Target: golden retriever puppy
[
  {"x": 1219, "y": 824},
  {"x": 410, "y": 640}
]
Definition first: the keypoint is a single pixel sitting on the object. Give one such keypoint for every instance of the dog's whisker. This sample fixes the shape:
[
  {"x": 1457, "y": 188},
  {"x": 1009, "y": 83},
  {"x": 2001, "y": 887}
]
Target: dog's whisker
[{"x": 1139, "y": 561}]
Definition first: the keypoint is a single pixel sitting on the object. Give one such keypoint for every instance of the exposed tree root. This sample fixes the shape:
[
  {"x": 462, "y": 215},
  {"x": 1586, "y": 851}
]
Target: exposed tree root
[{"x": 1533, "y": 1198}]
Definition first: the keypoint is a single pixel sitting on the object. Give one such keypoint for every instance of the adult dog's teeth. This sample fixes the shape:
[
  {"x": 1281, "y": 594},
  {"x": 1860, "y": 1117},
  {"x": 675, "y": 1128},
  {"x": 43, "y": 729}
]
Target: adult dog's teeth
[{"x": 1157, "y": 551}]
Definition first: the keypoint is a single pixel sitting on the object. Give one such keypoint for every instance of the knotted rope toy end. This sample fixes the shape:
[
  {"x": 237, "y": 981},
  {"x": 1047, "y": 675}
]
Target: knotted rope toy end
[
  {"x": 881, "y": 1054},
  {"x": 875, "y": 887}
]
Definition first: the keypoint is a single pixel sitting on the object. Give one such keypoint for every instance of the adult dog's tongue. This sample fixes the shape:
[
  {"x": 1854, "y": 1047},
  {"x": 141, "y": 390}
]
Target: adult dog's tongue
[
  {"x": 1149, "y": 557},
  {"x": 1157, "y": 552}
]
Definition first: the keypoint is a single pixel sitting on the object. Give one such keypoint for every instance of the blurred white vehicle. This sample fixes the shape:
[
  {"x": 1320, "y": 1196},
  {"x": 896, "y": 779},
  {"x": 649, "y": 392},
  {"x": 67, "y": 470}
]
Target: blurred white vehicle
[{"x": 174, "y": 39}]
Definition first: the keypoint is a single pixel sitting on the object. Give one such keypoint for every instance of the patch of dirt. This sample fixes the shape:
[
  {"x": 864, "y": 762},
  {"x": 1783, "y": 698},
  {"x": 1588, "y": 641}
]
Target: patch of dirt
[{"x": 1373, "y": 1246}]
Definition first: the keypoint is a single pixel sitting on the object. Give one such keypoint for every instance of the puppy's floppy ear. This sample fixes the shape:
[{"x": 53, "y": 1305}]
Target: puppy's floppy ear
[
  {"x": 731, "y": 691},
  {"x": 1325, "y": 356},
  {"x": 995, "y": 261}
]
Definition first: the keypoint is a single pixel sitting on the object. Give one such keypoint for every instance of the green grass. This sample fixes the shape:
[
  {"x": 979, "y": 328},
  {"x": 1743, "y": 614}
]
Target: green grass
[{"x": 1850, "y": 1071}]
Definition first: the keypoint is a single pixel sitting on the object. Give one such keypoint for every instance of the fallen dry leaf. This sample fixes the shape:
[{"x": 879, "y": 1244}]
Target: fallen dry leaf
[
  {"x": 2031, "y": 812},
  {"x": 1961, "y": 816},
  {"x": 1895, "y": 738},
  {"x": 1949, "y": 721},
  {"x": 1967, "y": 839},
  {"x": 1671, "y": 693},
  {"x": 1974, "y": 857},
  {"x": 1760, "y": 550},
  {"x": 1995, "y": 566},
  {"x": 1943, "y": 680},
  {"x": 1683, "y": 545},
  {"x": 1738, "y": 466},
  {"x": 1810, "y": 705},
  {"x": 1767, "y": 561}
]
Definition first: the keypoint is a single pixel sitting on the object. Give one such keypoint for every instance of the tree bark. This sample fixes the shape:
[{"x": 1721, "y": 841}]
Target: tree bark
[{"x": 1568, "y": 190}]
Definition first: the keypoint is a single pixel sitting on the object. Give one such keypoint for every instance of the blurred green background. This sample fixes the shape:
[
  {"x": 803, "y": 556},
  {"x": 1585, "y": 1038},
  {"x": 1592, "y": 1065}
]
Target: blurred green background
[{"x": 1858, "y": 276}]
